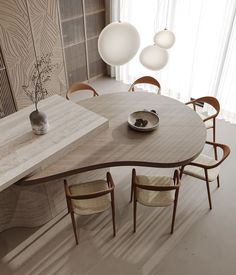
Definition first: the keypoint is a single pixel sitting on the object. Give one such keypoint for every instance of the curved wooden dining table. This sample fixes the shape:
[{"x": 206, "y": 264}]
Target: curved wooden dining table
[{"x": 179, "y": 138}]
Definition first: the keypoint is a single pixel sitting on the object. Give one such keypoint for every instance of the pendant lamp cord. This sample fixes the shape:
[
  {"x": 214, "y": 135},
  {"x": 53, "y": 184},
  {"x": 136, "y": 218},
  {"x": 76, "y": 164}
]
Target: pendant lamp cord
[
  {"x": 118, "y": 9},
  {"x": 120, "y": 4},
  {"x": 116, "y": 12},
  {"x": 167, "y": 14}
]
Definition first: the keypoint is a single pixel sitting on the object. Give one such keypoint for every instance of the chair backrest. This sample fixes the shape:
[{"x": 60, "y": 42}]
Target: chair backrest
[
  {"x": 209, "y": 100},
  {"x": 157, "y": 188},
  {"x": 145, "y": 80},
  {"x": 79, "y": 86},
  {"x": 70, "y": 196}
]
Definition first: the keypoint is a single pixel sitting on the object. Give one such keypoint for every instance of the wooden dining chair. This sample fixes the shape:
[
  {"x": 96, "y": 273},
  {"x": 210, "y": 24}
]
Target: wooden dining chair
[
  {"x": 146, "y": 80},
  {"x": 155, "y": 191},
  {"x": 207, "y": 168},
  {"x": 90, "y": 198},
  {"x": 210, "y": 121},
  {"x": 79, "y": 86}
]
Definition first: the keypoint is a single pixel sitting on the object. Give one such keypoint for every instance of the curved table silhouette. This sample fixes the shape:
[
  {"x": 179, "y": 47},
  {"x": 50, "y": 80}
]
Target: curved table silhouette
[{"x": 179, "y": 138}]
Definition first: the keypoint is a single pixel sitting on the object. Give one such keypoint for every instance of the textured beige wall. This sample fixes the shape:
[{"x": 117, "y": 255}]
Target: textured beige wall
[
  {"x": 18, "y": 43},
  {"x": 47, "y": 39}
]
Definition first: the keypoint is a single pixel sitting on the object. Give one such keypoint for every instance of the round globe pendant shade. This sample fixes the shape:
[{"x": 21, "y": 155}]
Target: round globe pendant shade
[
  {"x": 153, "y": 57},
  {"x": 118, "y": 43},
  {"x": 164, "y": 39}
]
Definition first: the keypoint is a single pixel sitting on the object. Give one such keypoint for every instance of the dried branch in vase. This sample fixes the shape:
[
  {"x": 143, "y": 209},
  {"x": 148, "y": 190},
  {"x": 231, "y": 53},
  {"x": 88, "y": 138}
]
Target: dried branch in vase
[{"x": 41, "y": 74}]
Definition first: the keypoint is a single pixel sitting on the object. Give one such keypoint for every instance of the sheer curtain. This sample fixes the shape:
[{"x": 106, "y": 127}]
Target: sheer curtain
[{"x": 203, "y": 59}]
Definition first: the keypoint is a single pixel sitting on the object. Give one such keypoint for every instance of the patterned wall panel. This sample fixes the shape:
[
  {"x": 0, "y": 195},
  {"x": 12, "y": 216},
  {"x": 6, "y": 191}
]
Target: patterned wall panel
[
  {"x": 17, "y": 17},
  {"x": 72, "y": 25},
  {"x": 47, "y": 39},
  {"x": 17, "y": 46},
  {"x": 7, "y": 104},
  {"x": 81, "y": 23},
  {"x": 2, "y": 114},
  {"x": 6, "y": 101},
  {"x": 2, "y": 65}
]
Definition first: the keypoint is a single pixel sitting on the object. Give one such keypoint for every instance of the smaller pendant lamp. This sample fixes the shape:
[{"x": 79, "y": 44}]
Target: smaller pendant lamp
[
  {"x": 156, "y": 57},
  {"x": 153, "y": 57},
  {"x": 164, "y": 39}
]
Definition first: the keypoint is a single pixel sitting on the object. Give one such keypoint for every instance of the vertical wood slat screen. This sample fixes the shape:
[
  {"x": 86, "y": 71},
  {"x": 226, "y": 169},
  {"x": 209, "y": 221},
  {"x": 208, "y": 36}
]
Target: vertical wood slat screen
[
  {"x": 96, "y": 64},
  {"x": 7, "y": 105},
  {"x": 94, "y": 6},
  {"x": 72, "y": 26},
  {"x": 72, "y": 15},
  {"x": 95, "y": 22}
]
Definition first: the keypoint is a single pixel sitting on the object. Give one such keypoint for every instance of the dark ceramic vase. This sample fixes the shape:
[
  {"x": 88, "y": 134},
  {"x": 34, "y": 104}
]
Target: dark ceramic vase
[{"x": 39, "y": 122}]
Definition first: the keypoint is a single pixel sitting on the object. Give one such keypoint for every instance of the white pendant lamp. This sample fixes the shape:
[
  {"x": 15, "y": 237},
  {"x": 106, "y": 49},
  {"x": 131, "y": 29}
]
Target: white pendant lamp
[
  {"x": 164, "y": 39},
  {"x": 153, "y": 57},
  {"x": 118, "y": 43},
  {"x": 156, "y": 57}
]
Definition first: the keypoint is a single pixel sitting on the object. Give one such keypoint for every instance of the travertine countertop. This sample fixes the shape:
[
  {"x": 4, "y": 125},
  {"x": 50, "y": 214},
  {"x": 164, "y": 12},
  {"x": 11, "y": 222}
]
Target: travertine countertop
[{"x": 22, "y": 152}]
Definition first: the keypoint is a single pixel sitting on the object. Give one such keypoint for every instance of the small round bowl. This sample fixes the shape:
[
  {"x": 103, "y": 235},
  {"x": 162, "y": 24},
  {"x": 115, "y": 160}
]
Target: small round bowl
[{"x": 151, "y": 117}]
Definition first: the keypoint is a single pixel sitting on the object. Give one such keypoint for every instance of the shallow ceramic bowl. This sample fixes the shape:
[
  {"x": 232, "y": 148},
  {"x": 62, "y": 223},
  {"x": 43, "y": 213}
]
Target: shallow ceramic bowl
[{"x": 151, "y": 117}]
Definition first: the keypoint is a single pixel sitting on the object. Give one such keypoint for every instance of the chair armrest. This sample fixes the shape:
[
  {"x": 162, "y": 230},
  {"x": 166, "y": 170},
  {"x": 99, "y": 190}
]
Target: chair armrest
[
  {"x": 190, "y": 102},
  {"x": 210, "y": 117},
  {"x": 193, "y": 103},
  {"x": 226, "y": 152}
]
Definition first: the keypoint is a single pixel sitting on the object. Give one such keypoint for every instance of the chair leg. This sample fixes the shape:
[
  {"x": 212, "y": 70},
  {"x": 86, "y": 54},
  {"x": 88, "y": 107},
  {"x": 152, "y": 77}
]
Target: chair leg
[
  {"x": 135, "y": 211},
  {"x": 208, "y": 188},
  {"x": 214, "y": 131},
  {"x": 131, "y": 192},
  {"x": 174, "y": 211},
  {"x": 68, "y": 204},
  {"x": 113, "y": 213},
  {"x": 181, "y": 172},
  {"x": 214, "y": 140},
  {"x": 74, "y": 227},
  {"x": 218, "y": 181},
  {"x": 209, "y": 194},
  {"x": 215, "y": 152}
]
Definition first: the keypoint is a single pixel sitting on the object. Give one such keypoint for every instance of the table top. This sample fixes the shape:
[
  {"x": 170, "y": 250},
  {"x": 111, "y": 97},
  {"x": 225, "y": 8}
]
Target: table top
[
  {"x": 21, "y": 151},
  {"x": 179, "y": 138}
]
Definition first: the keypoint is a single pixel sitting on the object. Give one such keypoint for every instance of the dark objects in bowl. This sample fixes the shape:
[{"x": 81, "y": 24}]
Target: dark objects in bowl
[{"x": 140, "y": 122}]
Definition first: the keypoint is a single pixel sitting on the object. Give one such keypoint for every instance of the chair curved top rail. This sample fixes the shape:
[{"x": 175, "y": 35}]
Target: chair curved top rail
[
  {"x": 209, "y": 100},
  {"x": 78, "y": 87},
  {"x": 145, "y": 79}
]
